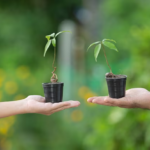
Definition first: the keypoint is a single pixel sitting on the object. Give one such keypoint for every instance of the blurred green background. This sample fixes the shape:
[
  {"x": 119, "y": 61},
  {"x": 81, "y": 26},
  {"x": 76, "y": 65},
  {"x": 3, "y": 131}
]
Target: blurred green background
[{"x": 23, "y": 69}]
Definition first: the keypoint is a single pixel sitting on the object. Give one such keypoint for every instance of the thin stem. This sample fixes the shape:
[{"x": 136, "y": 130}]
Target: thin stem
[
  {"x": 54, "y": 76},
  {"x": 106, "y": 57},
  {"x": 54, "y": 58}
]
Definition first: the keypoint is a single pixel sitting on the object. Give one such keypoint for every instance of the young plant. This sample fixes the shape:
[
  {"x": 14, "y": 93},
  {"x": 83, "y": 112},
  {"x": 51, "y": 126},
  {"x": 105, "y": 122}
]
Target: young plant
[
  {"x": 101, "y": 45},
  {"x": 52, "y": 39}
]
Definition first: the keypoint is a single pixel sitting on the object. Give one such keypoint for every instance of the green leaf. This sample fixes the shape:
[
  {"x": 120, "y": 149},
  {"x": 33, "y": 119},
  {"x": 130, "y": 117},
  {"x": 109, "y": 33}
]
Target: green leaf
[
  {"x": 110, "y": 45},
  {"x": 54, "y": 42},
  {"x": 96, "y": 51},
  {"x": 93, "y": 44},
  {"x": 109, "y": 40},
  {"x": 61, "y": 32},
  {"x": 47, "y": 46},
  {"x": 49, "y": 36}
]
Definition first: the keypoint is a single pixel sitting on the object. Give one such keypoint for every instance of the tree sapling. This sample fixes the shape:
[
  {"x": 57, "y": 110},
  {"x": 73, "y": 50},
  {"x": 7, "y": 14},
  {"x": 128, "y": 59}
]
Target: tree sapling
[
  {"x": 54, "y": 90},
  {"x": 116, "y": 83}
]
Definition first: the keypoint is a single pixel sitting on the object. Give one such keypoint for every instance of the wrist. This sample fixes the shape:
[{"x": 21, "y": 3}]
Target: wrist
[
  {"x": 22, "y": 105},
  {"x": 27, "y": 105}
]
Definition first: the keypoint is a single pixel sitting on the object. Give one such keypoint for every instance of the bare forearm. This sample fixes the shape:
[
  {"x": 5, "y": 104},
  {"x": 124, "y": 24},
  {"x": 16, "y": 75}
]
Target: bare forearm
[{"x": 12, "y": 108}]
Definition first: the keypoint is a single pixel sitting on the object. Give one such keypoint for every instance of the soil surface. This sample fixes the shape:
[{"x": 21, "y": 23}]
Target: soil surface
[{"x": 113, "y": 76}]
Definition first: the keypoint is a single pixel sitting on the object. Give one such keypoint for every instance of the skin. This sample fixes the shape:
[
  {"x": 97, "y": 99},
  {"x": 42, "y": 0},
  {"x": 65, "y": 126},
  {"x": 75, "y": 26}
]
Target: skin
[
  {"x": 33, "y": 104},
  {"x": 134, "y": 98}
]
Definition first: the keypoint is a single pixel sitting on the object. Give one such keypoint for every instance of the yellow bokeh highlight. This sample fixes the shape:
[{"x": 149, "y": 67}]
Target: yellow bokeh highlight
[
  {"x": 77, "y": 115},
  {"x": 30, "y": 81},
  {"x": 83, "y": 90},
  {"x": 5, "y": 124},
  {"x": 88, "y": 95},
  {"x": 2, "y": 76},
  {"x": 19, "y": 97},
  {"x": 85, "y": 93},
  {"x": 0, "y": 95},
  {"x": 23, "y": 72},
  {"x": 11, "y": 87}
]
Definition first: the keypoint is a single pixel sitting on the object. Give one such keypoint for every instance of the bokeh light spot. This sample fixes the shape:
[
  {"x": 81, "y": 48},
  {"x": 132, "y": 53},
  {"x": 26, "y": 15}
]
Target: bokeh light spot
[
  {"x": 19, "y": 97},
  {"x": 5, "y": 124},
  {"x": 77, "y": 115},
  {"x": 2, "y": 76},
  {"x": 0, "y": 95},
  {"x": 11, "y": 87},
  {"x": 23, "y": 72}
]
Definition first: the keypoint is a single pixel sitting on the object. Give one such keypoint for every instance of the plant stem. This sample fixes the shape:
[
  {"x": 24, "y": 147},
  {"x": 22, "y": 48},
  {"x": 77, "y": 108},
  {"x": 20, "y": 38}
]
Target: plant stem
[
  {"x": 54, "y": 76},
  {"x": 54, "y": 58},
  {"x": 106, "y": 57}
]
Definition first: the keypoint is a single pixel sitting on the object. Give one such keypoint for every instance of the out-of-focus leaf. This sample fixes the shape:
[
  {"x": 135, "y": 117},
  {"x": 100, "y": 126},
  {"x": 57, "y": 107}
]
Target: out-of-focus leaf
[
  {"x": 54, "y": 42},
  {"x": 109, "y": 40},
  {"x": 47, "y": 46},
  {"x": 49, "y": 36},
  {"x": 110, "y": 45},
  {"x": 93, "y": 44},
  {"x": 61, "y": 32},
  {"x": 96, "y": 51}
]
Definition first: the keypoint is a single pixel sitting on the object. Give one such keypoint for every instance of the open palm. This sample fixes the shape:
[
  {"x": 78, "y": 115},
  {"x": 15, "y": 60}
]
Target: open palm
[
  {"x": 135, "y": 98},
  {"x": 36, "y": 104}
]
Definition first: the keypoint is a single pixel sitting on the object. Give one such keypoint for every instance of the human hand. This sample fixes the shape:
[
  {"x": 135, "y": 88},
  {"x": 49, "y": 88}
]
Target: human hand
[
  {"x": 134, "y": 98},
  {"x": 36, "y": 104}
]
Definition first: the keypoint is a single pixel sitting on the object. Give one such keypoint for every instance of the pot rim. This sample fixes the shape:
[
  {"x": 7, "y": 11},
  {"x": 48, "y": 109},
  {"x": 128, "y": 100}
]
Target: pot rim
[
  {"x": 123, "y": 77},
  {"x": 48, "y": 83}
]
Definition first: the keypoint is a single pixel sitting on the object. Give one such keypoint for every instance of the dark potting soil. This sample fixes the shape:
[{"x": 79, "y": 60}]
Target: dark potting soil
[{"x": 113, "y": 76}]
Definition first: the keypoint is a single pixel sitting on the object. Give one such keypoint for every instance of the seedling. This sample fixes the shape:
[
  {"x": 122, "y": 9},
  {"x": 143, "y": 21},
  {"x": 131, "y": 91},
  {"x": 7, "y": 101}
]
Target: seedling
[
  {"x": 101, "y": 45},
  {"x": 116, "y": 83},
  {"x": 53, "y": 91},
  {"x": 52, "y": 39}
]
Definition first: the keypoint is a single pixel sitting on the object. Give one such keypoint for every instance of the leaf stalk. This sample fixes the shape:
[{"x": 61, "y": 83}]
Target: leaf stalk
[{"x": 106, "y": 57}]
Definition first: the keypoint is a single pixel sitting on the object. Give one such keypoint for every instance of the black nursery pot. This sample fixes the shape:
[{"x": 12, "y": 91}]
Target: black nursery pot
[
  {"x": 116, "y": 86},
  {"x": 53, "y": 92}
]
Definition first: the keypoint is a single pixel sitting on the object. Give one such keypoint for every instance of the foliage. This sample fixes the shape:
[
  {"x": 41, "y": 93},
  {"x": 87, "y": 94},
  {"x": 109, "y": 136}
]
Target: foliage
[
  {"x": 52, "y": 39},
  {"x": 100, "y": 44}
]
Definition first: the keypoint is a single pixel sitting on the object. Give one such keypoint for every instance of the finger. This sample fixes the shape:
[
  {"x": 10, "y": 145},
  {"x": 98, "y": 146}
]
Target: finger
[
  {"x": 65, "y": 107},
  {"x": 90, "y": 99},
  {"x": 63, "y": 104},
  {"x": 101, "y": 101},
  {"x": 106, "y": 100},
  {"x": 121, "y": 102}
]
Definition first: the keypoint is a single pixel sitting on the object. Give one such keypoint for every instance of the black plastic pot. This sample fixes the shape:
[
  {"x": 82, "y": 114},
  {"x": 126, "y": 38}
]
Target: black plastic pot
[
  {"x": 116, "y": 86},
  {"x": 53, "y": 92}
]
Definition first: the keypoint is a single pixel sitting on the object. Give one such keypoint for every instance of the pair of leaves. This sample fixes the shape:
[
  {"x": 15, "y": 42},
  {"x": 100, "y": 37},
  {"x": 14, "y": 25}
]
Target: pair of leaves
[
  {"x": 53, "y": 40},
  {"x": 99, "y": 45}
]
